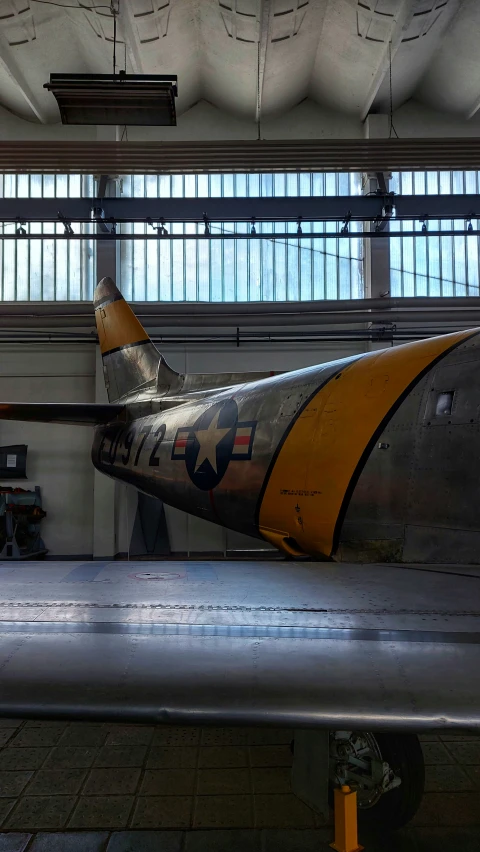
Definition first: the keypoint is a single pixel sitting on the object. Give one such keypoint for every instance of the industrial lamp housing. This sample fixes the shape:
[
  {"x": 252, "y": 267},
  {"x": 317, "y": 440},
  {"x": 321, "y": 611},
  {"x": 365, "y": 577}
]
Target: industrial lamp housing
[{"x": 142, "y": 99}]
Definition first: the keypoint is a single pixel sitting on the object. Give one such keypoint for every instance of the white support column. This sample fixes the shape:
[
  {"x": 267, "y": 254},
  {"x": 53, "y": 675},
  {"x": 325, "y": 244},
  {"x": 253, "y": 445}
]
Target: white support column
[
  {"x": 376, "y": 251},
  {"x": 106, "y": 259},
  {"x": 107, "y": 251},
  {"x": 103, "y": 488},
  {"x": 104, "y": 539}
]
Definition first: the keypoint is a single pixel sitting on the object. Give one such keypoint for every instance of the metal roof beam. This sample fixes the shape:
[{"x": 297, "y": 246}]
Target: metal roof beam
[
  {"x": 127, "y": 23},
  {"x": 403, "y": 16},
  {"x": 10, "y": 66},
  {"x": 473, "y": 110},
  {"x": 270, "y": 209},
  {"x": 264, "y": 29},
  {"x": 238, "y": 235}
]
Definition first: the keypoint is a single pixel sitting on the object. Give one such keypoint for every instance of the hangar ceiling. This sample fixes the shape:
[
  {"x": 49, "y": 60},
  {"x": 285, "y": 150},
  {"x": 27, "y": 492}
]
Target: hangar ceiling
[{"x": 253, "y": 58}]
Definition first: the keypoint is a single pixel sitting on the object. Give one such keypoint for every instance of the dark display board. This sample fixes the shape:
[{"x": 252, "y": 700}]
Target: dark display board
[{"x": 13, "y": 462}]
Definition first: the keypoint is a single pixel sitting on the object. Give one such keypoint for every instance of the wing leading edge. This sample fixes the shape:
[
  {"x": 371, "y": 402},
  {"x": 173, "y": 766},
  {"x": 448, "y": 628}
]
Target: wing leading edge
[
  {"x": 241, "y": 674},
  {"x": 213, "y": 653}
]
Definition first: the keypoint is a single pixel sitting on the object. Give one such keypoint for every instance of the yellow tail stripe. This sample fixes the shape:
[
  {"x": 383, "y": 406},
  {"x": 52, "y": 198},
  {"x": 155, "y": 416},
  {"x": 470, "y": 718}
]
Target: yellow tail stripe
[
  {"x": 310, "y": 479},
  {"x": 117, "y": 326}
]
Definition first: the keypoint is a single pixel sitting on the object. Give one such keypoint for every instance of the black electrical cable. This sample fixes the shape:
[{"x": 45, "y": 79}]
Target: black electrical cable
[
  {"x": 78, "y": 8},
  {"x": 392, "y": 128},
  {"x": 112, "y": 9},
  {"x": 258, "y": 92},
  {"x": 293, "y": 245}
]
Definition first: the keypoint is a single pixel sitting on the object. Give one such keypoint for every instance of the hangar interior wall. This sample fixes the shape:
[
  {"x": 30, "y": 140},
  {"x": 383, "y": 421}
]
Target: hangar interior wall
[
  {"x": 204, "y": 121},
  {"x": 59, "y": 456}
]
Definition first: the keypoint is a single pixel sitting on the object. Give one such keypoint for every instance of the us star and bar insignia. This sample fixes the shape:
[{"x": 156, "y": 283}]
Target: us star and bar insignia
[
  {"x": 242, "y": 444},
  {"x": 215, "y": 439},
  {"x": 180, "y": 444}
]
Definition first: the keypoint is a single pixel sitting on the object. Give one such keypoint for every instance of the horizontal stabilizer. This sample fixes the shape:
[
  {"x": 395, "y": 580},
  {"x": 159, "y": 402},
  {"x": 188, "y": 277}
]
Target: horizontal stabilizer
[
  {"x": 74, "y": 413},
  {"x": 213, "y": 381}
]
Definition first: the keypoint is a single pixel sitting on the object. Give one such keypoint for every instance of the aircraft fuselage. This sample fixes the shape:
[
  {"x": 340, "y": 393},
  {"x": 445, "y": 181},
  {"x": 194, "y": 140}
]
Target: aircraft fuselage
[
  {"x": 209, "y": 457},
  {"x": 349, "y": 457}
]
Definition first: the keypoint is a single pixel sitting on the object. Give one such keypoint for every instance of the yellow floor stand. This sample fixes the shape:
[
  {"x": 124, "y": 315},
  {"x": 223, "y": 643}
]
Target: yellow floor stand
[{"x": 346, "y": 835}]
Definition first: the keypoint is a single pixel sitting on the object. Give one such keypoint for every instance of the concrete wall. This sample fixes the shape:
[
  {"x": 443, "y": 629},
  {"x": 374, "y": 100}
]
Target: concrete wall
[
  {"x": 59, "y": 456},
  {"x": 203, "y": 122}
]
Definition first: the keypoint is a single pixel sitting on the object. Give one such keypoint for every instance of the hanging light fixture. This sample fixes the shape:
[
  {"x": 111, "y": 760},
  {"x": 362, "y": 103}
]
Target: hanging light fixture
[{"x": 128, "y": 99}]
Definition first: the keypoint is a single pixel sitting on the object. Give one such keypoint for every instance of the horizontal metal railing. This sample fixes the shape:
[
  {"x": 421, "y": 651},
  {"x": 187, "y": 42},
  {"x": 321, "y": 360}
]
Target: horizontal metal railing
[{"x": 462, "y": 312}]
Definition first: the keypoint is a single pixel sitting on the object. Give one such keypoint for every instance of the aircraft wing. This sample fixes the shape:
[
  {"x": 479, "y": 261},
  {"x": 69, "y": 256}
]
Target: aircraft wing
[
  {"x": 75, "y": 413},
  {"x": 262, "y": 643}
]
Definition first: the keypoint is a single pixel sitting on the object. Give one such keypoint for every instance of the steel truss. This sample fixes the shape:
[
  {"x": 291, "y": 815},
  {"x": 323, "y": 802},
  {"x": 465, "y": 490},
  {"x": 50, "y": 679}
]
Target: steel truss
[{"x": 210, "y": 214}]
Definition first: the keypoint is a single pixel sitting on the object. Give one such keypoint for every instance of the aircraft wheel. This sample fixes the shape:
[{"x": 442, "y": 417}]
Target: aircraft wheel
[{"x": 386, "y": 770}]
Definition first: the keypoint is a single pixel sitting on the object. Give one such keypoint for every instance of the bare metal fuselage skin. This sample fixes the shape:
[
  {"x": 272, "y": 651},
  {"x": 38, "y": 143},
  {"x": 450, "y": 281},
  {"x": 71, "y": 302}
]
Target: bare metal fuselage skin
[
  {"x": 268, "y": 406},
  {"x": 347, "y": 460}
]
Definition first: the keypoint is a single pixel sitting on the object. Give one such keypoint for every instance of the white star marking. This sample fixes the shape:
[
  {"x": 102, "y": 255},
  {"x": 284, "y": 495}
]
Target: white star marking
[{"x": 209, "y": 440}]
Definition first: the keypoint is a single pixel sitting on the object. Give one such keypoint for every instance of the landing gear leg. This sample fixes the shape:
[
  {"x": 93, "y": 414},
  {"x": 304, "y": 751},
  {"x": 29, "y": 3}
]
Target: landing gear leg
[
  {"x": 310, "y": 779},
  {"x": 385, "y": 770},
  {"x": 311, "y": 783}
]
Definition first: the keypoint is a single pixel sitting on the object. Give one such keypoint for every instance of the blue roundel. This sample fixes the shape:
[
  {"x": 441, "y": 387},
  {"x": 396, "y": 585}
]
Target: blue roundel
[{"x": 210, "y": 444}]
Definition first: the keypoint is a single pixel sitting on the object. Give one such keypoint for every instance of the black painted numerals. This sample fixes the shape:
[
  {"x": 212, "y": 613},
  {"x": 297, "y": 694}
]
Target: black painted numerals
[
  {"x": 154, "y": 461},
  {"x": 128, "y": 444},
  {"x": 109, "y": 445},
  {"x": 146, "y": 431},
  {"x": 112, "y": 451},
  {"x": 125, "y": 439}
]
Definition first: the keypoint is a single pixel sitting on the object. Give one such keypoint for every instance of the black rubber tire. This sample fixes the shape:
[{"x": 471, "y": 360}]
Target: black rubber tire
[{"x": 397, "y": 807}]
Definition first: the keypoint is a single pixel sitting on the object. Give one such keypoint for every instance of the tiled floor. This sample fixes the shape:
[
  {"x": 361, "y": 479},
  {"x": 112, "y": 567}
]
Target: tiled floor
[{"x": 101, "y": 782}]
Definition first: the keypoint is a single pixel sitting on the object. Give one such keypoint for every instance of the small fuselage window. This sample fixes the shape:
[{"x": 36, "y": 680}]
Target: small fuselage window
[{"x": 444, "y": 403}]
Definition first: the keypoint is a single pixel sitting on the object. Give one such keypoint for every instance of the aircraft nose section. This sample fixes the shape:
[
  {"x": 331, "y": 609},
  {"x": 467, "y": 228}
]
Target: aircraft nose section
[{"x": 105, "y": 289}]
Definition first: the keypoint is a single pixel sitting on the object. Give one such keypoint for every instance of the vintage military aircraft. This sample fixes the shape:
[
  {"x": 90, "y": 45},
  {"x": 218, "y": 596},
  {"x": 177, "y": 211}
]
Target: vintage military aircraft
[{"x": 372, "y": 457}]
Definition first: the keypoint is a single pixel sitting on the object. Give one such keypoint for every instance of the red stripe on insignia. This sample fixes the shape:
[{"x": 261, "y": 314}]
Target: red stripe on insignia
[
  {"x": 242, "y": 440},
  {"x": 181, "y": 442}
]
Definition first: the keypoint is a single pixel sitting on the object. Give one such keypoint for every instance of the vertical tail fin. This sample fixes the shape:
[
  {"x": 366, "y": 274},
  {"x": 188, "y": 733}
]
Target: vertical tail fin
[{"x": 130, "y": 359}]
